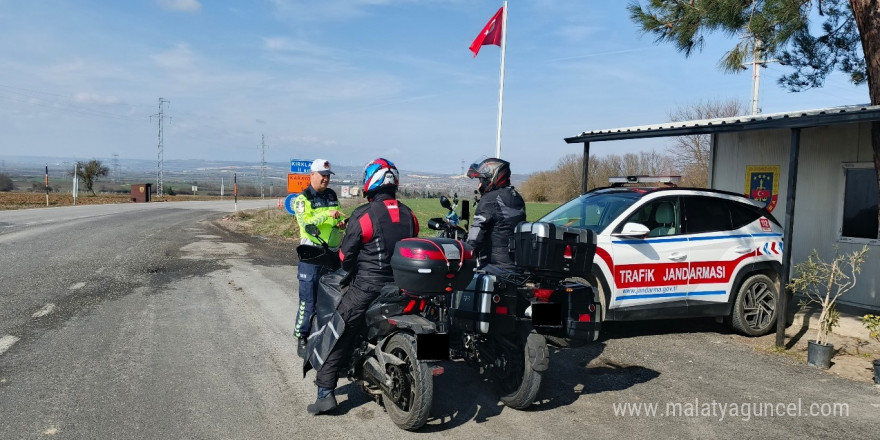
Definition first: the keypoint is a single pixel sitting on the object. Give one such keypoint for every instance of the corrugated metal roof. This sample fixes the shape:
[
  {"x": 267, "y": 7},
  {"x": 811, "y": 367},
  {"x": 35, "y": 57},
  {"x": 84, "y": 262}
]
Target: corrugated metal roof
[{"x": 794, "y": 119}]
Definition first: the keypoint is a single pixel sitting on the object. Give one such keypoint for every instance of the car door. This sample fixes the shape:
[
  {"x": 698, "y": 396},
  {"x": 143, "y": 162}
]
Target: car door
[
  {"x": 650, "y": 272},
  {"x": 716, "y": 247}
]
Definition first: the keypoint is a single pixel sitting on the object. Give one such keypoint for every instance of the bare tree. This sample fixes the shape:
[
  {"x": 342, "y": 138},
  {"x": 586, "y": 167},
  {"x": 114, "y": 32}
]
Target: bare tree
[
  {"x": 89, "y": 172},
  {"x": 690, "y": 154}
]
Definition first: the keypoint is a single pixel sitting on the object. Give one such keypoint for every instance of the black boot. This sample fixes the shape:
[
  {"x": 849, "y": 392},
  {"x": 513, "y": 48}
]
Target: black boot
[{"x": 323, "y": 405}]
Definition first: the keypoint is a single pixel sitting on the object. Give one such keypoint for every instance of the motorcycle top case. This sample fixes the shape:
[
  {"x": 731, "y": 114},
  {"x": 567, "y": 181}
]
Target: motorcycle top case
[
  {"x": 549, "y": 249},
  {"x": 431, "y": 266}
]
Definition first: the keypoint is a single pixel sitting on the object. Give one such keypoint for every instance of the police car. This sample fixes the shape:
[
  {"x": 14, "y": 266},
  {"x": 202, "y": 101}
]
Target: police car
[{"x": 667, "y": 252}]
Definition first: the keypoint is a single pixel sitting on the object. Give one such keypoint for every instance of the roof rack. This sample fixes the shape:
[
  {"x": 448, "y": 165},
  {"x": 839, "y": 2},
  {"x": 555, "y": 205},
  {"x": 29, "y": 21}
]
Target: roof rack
[{"x": 623, "y": 180}]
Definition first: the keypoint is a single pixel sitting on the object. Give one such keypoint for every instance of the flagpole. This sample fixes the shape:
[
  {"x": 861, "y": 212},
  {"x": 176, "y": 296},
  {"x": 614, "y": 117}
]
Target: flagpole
[{"x": 501, "y": 88}]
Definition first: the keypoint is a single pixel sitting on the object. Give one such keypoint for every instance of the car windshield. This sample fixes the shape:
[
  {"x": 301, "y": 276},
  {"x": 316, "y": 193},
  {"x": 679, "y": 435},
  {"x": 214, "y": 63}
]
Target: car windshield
[{"x": 592, "y": 211}]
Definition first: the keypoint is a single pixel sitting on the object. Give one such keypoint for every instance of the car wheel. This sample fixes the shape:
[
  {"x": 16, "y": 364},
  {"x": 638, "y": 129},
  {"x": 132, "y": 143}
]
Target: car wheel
[{"x": 754, "y": 312}]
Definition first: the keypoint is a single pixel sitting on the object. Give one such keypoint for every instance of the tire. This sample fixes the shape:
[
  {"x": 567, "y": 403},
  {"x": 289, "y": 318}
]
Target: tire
[
  {"x": 412, "y": 385},
  {"x": 754, "y": 311},
  {"x": 518, "y": 383}
]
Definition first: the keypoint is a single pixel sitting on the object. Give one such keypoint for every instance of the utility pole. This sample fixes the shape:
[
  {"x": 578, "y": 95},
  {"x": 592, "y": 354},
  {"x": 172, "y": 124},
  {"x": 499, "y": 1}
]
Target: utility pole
[
  {"x": 262, "y": 164},
  {"x": 756, "y": 76},
  {"x": 161, "y": 159},
  {"x": 115, "y": 178},
  {"x": 757, "y": 63}
]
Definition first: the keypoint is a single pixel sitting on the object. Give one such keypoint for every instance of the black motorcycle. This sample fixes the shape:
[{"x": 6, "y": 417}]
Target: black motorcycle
[
  {"x": 501, "y": 321},
  {"x": 449, "y": 226},
  {"x": 393, "y": 360}
]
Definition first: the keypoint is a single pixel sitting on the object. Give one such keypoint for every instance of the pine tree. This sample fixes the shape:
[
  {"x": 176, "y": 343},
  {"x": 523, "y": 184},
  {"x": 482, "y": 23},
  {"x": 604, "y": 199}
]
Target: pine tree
[{"x": 848, "y": 38}]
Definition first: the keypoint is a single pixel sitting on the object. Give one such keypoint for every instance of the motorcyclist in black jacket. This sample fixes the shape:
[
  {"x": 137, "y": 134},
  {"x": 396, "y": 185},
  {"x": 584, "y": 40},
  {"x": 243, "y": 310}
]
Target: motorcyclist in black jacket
[
  {"x": 500, "y": 209},
  {"x": 370, "y": 236}
]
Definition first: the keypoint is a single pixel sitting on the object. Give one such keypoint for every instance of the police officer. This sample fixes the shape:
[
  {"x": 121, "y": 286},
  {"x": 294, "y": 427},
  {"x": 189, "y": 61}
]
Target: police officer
[
  {"x": 317, "y": 205},
  {"x": 500, "y": 209},
  {"x": 366, "y": 252}
]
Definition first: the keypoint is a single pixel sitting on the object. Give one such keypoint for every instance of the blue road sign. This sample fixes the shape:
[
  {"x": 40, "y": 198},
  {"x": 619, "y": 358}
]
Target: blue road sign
[
  {"x": 288, "y": 203},
  {"x": 298, "y": 166}
]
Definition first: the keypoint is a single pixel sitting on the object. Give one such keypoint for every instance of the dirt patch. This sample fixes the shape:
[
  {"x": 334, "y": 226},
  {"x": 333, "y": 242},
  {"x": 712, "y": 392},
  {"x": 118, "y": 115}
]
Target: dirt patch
[
  {"x": 25, "y": 200},
  {"x": 852, "y": 358}
]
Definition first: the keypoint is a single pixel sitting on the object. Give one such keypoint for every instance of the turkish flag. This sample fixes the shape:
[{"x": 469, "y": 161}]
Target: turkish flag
[{"x": 491, "y": 34}]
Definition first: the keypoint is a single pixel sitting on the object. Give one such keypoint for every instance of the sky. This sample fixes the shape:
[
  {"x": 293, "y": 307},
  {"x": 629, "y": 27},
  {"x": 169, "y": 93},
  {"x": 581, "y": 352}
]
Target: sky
[{"x": 350, "y": 80}]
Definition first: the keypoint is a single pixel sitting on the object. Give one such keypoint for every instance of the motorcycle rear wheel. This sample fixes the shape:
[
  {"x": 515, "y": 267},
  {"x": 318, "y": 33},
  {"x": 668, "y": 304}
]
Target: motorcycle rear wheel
[
  {"x": 412, "y": 385},
  {"x": 518, "y": 383}
]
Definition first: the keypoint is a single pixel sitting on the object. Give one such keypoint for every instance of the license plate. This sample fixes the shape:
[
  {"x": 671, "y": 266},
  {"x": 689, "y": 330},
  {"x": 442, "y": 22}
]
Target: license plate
[
  {"x": 432, "y": 347},
  {"x": 547, "y": 314}
]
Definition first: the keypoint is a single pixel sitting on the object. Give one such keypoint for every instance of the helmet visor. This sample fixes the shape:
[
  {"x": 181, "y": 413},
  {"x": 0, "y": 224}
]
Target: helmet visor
[{"x": 473, "y": 171}]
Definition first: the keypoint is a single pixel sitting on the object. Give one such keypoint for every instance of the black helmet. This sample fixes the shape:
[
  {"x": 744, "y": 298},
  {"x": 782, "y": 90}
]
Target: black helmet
[{"x": 493, "y": 173}]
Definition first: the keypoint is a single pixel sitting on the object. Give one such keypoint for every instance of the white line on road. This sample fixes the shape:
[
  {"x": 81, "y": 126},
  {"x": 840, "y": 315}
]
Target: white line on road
[
  {"x": 47, "y": 309},
  {"x": 7, "y": 342}
]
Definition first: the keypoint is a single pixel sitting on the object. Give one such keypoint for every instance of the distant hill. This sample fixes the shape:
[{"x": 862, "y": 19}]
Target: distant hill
[{"x": 212, "y": 173}]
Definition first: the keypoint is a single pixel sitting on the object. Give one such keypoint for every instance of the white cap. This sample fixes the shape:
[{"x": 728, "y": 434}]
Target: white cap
[{"x": 321, "y": 166}]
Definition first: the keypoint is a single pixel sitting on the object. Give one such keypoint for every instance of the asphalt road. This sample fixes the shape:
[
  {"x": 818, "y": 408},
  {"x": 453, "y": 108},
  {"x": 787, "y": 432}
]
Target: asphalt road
[{"x": 150, "y": 321}]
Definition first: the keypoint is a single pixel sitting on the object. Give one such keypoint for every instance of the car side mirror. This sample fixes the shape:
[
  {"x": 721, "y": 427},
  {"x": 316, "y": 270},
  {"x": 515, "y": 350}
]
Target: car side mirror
[{"x": 632, "y": 230}]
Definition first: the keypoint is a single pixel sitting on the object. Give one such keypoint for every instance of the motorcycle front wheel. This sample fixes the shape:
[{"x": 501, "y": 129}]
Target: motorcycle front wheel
[
  {"x": 518, "y": 383},
  {"x": 408, "y": 400}
]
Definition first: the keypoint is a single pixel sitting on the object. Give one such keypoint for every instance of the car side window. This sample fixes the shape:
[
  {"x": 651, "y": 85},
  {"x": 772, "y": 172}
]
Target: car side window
[
  {"x": 706, "y": 214},
  {"x": 662, "y": 217},
  {"x": 742, "y": 215}
]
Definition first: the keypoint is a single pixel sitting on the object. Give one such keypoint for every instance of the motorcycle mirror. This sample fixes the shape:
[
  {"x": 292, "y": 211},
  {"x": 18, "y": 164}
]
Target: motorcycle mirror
[
  {"x": 455, "y": 199},
  {"x": 313, "y": 230},
  {"x": 435, "y": 224},
  {"x": 444, "y": 202}
]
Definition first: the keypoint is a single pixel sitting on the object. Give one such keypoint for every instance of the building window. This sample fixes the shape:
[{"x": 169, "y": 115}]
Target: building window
[{"x": 860, "y": 201}]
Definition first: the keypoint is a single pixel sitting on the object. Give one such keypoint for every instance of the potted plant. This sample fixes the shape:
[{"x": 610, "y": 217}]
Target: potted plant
[
  {"x": 822, "y": 283},
  {"x": 872, "y": 323}
]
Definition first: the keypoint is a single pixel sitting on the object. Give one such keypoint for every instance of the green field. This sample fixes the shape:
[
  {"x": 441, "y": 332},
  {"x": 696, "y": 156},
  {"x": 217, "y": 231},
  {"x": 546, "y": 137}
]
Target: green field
[{"x": 429, "y": 208}]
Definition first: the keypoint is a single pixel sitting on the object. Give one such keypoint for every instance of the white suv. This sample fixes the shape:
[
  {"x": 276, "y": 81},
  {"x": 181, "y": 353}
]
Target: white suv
[{"x": 681, "y": 252}]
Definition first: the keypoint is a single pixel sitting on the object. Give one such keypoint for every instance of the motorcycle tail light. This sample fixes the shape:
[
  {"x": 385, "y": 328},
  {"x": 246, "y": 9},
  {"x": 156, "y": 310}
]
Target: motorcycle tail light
[
  {"x": 567, "y": 253},
  {"x": 409, "y": 306},
  {"x": 584, "y": 317},
  {"x": 501, "y": 310},
  {"x": 422, "y": 305},
  {"x": 421, "y": 254},
  {"x": 543, "y": 294}
]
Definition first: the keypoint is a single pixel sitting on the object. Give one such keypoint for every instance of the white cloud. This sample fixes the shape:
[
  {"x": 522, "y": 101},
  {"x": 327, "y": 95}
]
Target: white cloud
[
  {"x": 181, "y": 5},
  {"x": 93, "y": 98},
  {"x": 179, "y": 58}
]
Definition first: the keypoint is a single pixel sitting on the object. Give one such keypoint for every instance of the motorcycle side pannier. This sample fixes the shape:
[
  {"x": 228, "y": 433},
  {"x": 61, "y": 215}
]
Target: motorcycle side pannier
[
  {"x": 579, "y": 314},
  {"x": 428, "y": 266},
  {"x": 485, "y": 304},
  {"x": 548, "y": 249}
]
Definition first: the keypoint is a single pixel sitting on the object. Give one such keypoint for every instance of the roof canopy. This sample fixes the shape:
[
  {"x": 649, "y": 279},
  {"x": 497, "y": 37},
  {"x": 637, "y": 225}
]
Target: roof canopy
[{"x": 795, "y": 119}]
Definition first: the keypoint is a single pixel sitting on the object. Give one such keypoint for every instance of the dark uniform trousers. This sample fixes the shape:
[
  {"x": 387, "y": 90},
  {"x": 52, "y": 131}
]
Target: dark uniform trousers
[{"x": 352, "y": 309}]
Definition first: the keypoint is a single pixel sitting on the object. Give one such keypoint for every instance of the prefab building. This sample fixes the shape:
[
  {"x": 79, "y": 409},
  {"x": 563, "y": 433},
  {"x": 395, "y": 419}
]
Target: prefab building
[{"x": 833, "y": 191}]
